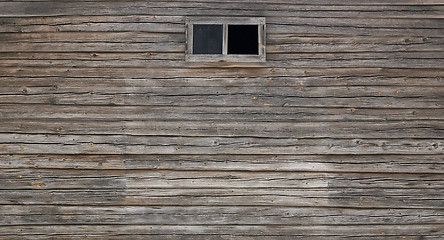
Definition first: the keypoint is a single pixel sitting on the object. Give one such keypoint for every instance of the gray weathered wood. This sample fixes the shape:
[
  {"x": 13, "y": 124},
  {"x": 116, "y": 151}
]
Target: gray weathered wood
[
  {"x": 130, "y": 144},
  {"x": 219, "y": 9},
  {"x": 107, "y": 133},
  {"x": 310, "y": 163},
  {"x": 14, "y": 113},
  {"x": 262, "y": 232},
  {"x": 204, "y": 215},
  {"x": 121, "y": 179},
  {"x": 389, "y": 130},
  {"x": 277, "y": 197}
]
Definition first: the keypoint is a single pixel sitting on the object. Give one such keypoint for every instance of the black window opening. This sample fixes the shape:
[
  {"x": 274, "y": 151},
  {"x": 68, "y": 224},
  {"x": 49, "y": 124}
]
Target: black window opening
[
  {"x": 207, "y": 39},
  {"x": 243, "y": 39},
  {"x": 225, "y": 39}
]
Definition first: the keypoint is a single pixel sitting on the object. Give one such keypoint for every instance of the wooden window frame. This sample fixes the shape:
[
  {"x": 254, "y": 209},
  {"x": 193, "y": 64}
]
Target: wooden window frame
[{"x": 225, "y": 57}]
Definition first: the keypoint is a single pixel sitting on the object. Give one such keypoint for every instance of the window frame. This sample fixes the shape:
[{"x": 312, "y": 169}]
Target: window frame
[{"x": 225, "y": 57}]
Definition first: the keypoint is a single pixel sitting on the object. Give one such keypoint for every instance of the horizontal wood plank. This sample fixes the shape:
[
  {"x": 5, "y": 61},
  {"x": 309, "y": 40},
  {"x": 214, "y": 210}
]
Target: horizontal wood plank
[
  {"x": 185, "y": 128},
  {"x": 293, "y": 61},
  {"x": 233, "y": 72},
  {"x": 419, "y": 164},
  {"x": 13, "y": 113},
  {"x": 29, "y": 214},
  {"x": 14, "y": 9},
  {"x": 305, "y": 2},
  {"x": 28, "y": 179},
  {"x": 236, "y": 100},
  {"x": 128, "y": 144},
  {"x": 278, "y": 197},
  {"x": 338, "y": 78},
  {"x": 229, "y": 232},
  {"x": 227, "y": 91}
]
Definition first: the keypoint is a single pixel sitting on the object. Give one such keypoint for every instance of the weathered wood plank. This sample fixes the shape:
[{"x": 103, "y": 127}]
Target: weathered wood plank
[
  {"x": 327, "y": 79},
  {"x": 330, "y": 60},
  {"x": 15, "y": 9},
  {"x": 301, "y": 2},
  {"x": 96, "y": 47},
  {"x": 229, "y": 232},
  {"x": 388, "y": 130},
  {"x": 13, "y": 112},
  {"x": 337, "y": 197},
  {"x": 149, "y": 59},
  {"x": 94, "y": 37},
  {"x": 91, "y": 56},
  {"x": 128, "y": 144},
  {"x": 419, "y": 164},
  {"x": 327, "y": 21},
  {"x": 224, "y": 236},
  {"x": 234, "y": 72},
  {"x": 146, "y": 179},
  {"x": 348, "y": 31},
  {"x": 94, "y": 26},
  {"x": 223, "y": 100},
  {"x": 299, "y": 48},
  {"x": 227, "y": 91},
  {"x": 90, "y": 215}
]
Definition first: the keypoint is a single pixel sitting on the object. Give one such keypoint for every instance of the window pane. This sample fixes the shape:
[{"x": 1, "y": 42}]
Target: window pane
[
  {"x": 207, "y": 39},
  {"x": 243, "y": 39}
]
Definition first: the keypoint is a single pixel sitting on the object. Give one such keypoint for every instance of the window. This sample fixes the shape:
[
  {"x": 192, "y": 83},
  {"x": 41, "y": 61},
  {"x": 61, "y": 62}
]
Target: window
[
  {"x": 220, "y": 39},
  {"x": 207, "y": 39},
  {"x": 243, "y": 39}
]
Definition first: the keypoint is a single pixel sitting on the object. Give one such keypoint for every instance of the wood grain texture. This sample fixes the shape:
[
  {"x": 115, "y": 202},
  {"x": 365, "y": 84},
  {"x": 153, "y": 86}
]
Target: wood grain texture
[
  {"x": 372, "y": 232},
  {"x": 203, "y": 215},
  {"x": 185, "y": 8},
  {"x": 310, "y": 163},
  {"x": 389, "y": 130},
  {"x": 122, "y": 179},
  {"x": 244, "y": 115},
  {"x": 107, "y": 133},
  {"x": 130, "y": 144}
]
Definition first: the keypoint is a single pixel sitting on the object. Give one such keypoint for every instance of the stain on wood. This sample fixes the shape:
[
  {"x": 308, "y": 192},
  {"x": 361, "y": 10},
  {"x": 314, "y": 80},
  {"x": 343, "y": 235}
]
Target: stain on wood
[{"x": 107, "y": 133}]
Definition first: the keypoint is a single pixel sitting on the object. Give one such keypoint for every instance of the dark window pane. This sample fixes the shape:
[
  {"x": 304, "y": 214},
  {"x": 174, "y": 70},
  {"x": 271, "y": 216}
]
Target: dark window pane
[
  {"x": 207, "y": 39},
  {"x": 243, "y": 39}
]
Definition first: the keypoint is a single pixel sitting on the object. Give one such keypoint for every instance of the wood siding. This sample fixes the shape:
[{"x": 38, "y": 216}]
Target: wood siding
[{"x": 107, "y": 133}]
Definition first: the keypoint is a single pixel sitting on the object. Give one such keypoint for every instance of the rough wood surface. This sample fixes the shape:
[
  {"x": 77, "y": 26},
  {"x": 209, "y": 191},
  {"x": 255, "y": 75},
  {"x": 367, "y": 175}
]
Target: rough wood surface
[
  {"x": 107, "y": 133},
  {"x": 250, "y": 232},
  {"x": 383, "y": 163}
]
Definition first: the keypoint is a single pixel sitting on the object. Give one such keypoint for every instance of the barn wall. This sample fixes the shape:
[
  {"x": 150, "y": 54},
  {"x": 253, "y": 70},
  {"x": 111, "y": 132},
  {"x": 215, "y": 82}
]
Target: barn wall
[{"x": 106, "y": 132}]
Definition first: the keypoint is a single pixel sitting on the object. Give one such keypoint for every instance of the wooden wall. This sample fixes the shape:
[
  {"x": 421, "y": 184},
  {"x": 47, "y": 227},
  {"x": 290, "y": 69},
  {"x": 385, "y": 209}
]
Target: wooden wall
[{"x": 107, "y": 133}]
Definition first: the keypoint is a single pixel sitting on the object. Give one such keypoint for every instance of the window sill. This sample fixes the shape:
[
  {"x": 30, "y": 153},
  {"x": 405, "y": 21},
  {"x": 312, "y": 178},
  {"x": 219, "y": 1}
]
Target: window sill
[{"x": 224, "y": 58}]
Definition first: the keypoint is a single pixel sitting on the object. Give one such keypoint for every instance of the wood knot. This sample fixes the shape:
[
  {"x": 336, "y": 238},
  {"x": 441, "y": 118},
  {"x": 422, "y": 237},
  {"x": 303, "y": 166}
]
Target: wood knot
[{"x": 39, "y": 184}]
